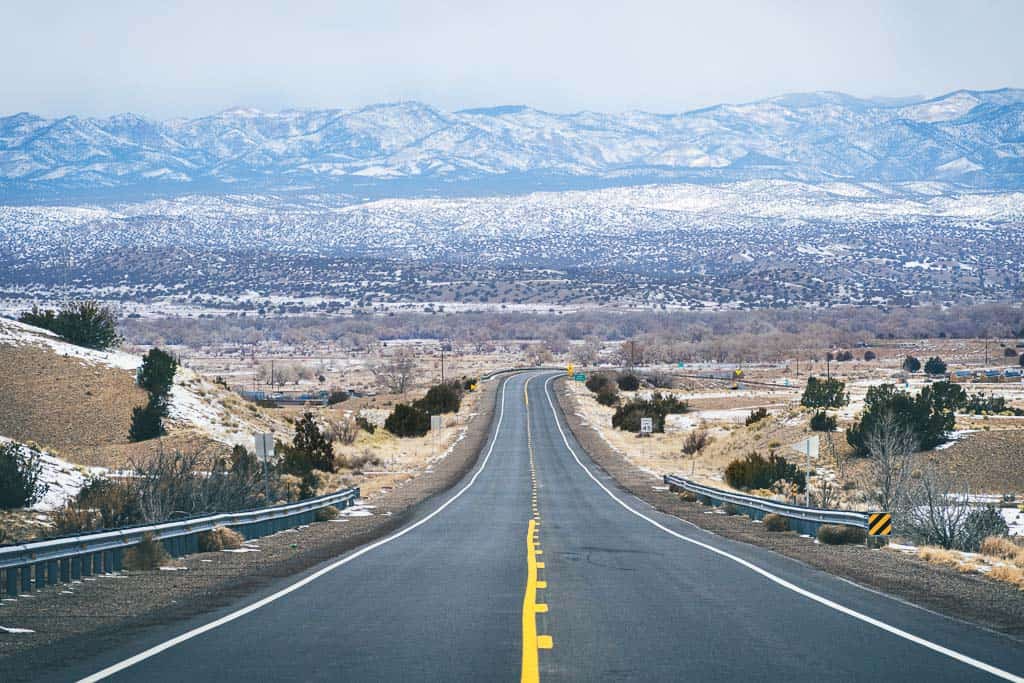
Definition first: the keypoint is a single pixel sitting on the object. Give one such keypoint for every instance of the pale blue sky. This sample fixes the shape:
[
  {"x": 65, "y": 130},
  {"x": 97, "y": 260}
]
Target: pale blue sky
[{"x": 103, "y": 57}]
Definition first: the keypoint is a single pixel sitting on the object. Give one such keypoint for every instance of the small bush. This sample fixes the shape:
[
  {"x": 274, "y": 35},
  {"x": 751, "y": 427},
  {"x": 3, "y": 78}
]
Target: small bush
[
  {"x": 756, "y": 416},
  {"x": 870, "y": 355},
  {"x": 628, "y": 382},
  {"x": 326, "y": 514},
  {"x": 696, "y": 441},
  {"x": 627, "y": 416},
  {"x": 360, "y": 461},
  {"x": 20, "y": 471},
  {"x": 148, "y": 554},
  {"x": 823, "y": 422},
  {"x": 688, "y": 496},
  {"x": 839, "y": 534},
  {"x": 979, "y": 525},
  {"x": 598, "y": 381},
  {"x": 310, "y": 449},
  {"x": 337, "y": 396},
  {"x": 407, "y": 420},
  {"x": 730, "y": 509},
  {"x": 757, "y": 472},
  {"x": 774, "y": 522},
  {"x": 219, "y": 538},
  {"x": 935, "y": 366},
  {"x": 608, "y": 395},
  {"x": 911, "y": 364},
  {"x": 441, "y": 398},
  {"x": 365, "y": 424}
]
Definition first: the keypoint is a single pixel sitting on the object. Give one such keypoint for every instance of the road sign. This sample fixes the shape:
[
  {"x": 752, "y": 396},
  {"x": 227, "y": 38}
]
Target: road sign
[
  {"x": 435, "y": 423},
  {"x": 680, "y": 364},
  {"x": 568, "y": 369},
  {"x": 646, "y": 425},
  {"x": 264, "y": 445},
  {"x": 879, "y": 524},
  {"x": 808, "y": 447},
  {"x": 580, "y": 377}
]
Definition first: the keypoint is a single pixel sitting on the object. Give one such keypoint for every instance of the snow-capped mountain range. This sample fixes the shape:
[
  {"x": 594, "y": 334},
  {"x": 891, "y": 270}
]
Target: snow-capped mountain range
[{"x": 971, "y": 139}]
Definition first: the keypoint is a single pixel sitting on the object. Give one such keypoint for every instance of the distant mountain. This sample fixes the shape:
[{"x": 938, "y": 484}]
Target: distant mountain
[{"x": 971, "y": 139}]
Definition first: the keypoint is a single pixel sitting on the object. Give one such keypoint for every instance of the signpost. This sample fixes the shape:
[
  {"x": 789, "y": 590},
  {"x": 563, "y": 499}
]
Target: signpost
[
  {"x": 809, "y": 447},
  {"x": 436, "y": 425},
  {"x": 265, "y": 451},
  {"x": 646, "y": 425},
  {"x": 568, "y": 369}
]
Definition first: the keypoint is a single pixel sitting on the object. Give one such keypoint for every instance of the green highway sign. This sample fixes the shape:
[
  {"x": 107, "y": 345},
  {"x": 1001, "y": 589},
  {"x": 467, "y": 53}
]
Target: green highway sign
[{"x": 579, "y": 377}]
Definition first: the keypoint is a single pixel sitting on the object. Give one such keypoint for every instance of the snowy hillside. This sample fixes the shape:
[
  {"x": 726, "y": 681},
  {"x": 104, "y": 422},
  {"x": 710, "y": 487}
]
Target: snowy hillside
[{"x": 968, "y": 137}]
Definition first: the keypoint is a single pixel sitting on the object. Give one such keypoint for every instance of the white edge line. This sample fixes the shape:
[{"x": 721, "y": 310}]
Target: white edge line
[
  {"x": 200, "y": 630},
  {"x": 988, "y": 668}
]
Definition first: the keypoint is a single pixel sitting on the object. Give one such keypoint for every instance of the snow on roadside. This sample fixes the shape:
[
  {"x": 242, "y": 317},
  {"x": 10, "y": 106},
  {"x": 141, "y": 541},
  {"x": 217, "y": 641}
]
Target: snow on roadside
[
  {"x": 953, "y": 437},
  {"x": 63, "y": 479}
]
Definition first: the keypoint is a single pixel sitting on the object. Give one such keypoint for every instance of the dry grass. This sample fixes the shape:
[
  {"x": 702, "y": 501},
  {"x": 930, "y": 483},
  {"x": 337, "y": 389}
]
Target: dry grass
[
  {"x": 1014, "y": 575},
  {"x": 1003, "y": 548},
  {"x": 220, "y": 538},
  {"x": 147, "y": 555},
  {"x": 940, "y": 556},
  {"x": 774, "y": 522},
  {"x": 326, "y": 514}
]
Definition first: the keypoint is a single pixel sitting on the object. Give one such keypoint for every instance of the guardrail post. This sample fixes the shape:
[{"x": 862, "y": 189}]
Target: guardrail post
[
  {"x": 40, "y": 576},
  {"x": 108, "y": 561},
  {"x": 76, "y": 568},
  {"x": 51, "y": 572},
  {"x": 12, "y": 582},
  {"x": 65, "y": 569},
  {"x": 26, "y": 578},
  {"x": 118, "y": 559},
  {"x": 86, "y": 562}
]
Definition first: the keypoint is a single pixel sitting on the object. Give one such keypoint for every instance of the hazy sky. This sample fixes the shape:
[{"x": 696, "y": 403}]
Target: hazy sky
[{"x": 187, "y": 58}]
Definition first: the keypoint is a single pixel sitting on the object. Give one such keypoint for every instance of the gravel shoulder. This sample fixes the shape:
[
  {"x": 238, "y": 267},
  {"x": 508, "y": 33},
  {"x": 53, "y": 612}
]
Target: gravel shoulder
[
  {"x": 91, "y": 616},
  {"x": 972, "y": 598}
]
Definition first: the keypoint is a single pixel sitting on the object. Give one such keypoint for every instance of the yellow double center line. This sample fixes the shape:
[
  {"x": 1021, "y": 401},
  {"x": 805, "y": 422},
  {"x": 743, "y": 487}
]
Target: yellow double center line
[{"x": 532, "y": 643}]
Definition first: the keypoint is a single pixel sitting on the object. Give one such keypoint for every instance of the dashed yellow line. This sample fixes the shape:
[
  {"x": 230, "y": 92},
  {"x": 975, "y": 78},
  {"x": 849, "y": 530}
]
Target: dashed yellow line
[{"x": 532, "y": 642}]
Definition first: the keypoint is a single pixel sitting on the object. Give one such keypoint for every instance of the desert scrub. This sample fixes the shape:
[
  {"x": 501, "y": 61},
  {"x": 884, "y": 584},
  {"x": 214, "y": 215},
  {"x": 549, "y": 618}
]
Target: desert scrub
[
  {"x": 688, "y": 496},
  {"x": 1003, "y": 548},
  {"x": 219, "y": 538},
  {"x": 148, "y": 554},
  {"x": 326, "y": 514},
  {"x": 940, "y": 556},
  {"x": 839, "y": 534},
  {"x": 1008, "y": 574},
  {"x": 730, "y": 509},
  {"x": 774, "y": 522}
]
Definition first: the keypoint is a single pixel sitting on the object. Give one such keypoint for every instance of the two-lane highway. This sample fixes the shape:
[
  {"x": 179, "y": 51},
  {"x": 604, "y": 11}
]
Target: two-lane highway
[{"x": 538, "y": 565}]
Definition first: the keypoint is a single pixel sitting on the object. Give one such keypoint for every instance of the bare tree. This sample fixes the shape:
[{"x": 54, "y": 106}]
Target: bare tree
[
  {"x": 589, "y": 352},
  {"x": 938, "y": 509},
  {"x": 343, "y": 430},
  {"x": 396, "y": 372},
  {"x": 695, "y": 441},
  {"x": 890, "y": 445}
]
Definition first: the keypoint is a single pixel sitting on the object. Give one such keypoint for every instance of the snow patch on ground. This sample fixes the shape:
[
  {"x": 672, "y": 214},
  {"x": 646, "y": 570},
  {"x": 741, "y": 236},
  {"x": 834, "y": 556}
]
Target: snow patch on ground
[
  {"x": 19, "y": 334},
  {"x": 63, "y": 480},
  {"x": 8, "y": 629}
]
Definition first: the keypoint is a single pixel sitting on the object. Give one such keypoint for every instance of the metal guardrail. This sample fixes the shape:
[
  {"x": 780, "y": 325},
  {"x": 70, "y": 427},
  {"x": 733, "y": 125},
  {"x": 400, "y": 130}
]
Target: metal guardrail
[
  {"x": 66, "y": 559},
  {"x": 495, "y": 373},
  {"x": 803, "y": 519}
]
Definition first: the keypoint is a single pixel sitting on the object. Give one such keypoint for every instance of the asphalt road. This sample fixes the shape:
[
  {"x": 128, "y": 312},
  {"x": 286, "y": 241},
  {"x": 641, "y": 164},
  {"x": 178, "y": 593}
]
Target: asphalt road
[{"x": 612, "y": 590}]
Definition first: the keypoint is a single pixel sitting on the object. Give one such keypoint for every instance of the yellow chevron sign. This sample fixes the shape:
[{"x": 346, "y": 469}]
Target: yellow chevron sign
[{"x": 879, "y": 524}]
